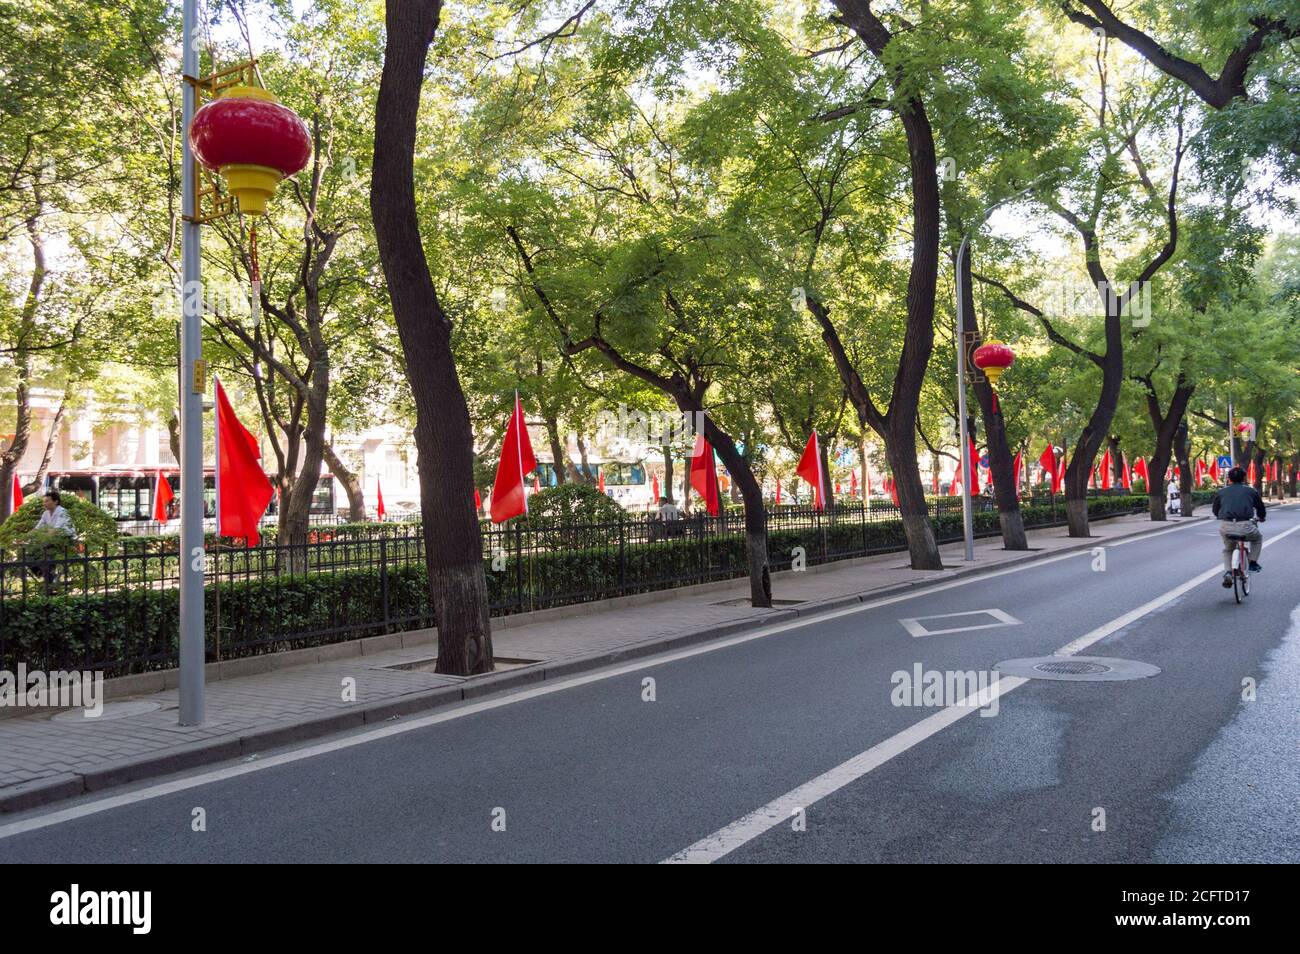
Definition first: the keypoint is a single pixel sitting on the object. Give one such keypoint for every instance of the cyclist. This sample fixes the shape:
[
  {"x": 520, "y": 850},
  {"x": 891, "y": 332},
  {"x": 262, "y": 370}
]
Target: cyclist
[{"x": 1239, "y": 508}]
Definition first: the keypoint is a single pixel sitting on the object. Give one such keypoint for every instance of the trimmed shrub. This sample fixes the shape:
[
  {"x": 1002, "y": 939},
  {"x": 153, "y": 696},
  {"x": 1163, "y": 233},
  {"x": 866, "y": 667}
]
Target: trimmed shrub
[{"x": 96, "y": 530}]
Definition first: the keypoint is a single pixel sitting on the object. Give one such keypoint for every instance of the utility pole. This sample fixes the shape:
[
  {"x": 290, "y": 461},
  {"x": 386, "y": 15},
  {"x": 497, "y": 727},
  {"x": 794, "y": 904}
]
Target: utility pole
[{"x": 193, "y": 383}]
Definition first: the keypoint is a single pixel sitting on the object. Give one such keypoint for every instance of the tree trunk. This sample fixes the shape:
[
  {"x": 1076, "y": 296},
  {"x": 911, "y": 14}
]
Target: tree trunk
[
  {"x": 557, "y": 448},
  {"x": 760, "y": 578},
  {"x": 826, "y": 470},
  {"x": 444, "y": 441},
  {"x": 351, "y": 484},
  {"x": 13, "y": 454},
  {"x": 588, "y": 476}
]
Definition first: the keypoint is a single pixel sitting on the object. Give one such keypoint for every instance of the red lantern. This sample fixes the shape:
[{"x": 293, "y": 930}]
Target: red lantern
[
  {"x": 252, "y": 141},
  {"x": 993, "y": 358}
]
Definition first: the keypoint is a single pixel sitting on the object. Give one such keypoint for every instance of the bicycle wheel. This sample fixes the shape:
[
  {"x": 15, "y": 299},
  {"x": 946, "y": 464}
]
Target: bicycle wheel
[{"x": 1245, "y": 572}]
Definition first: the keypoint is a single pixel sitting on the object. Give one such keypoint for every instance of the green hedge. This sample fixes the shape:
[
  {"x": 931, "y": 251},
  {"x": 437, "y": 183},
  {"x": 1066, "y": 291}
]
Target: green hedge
[{"x": 131, "y": 630}]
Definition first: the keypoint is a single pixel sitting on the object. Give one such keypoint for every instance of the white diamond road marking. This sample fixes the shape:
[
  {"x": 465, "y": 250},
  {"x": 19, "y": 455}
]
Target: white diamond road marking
[{"x": 917, "y": 625}]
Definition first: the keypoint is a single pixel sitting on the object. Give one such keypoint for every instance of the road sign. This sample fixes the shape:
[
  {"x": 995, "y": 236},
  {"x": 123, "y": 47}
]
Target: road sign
[{"x": 1225, "y": 462}]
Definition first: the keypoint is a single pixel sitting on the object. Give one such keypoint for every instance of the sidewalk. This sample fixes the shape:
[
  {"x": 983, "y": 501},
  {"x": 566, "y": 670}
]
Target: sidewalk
[{"x": 45, "y": 757}]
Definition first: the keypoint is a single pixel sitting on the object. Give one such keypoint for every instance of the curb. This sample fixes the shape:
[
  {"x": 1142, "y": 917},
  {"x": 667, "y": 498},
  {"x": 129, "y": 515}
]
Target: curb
[{"x": 253, "y": 742}]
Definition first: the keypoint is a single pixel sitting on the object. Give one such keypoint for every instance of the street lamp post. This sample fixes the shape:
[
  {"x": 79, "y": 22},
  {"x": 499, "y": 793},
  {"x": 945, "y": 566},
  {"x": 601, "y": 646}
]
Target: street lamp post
[
  {"x": 192, "y": 385},
  {"x": 963, "y": 434}
]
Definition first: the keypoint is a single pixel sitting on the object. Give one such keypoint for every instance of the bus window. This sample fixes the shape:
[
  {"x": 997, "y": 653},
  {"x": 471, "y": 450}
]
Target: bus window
[
  {"x": 623, "y": 475},
  {"x": 322, "y": 498},
  {"x": 76, "y": 484}
]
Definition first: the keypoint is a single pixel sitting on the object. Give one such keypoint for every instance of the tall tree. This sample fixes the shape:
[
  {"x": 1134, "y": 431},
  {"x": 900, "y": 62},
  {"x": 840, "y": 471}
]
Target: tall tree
[{"x": 443, "y": 439}]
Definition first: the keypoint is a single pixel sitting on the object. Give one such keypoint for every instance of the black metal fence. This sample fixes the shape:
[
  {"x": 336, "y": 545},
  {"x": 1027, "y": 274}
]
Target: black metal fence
[{"x": 118, "y": 611}]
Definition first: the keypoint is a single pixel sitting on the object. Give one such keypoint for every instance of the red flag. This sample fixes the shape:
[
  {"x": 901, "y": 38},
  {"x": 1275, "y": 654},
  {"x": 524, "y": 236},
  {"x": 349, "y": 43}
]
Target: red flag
[
  {"x": 537, "y": 483},
  {"x": 1177, "y": 474},
  {"x": 17, "y": 500},
  {"x": 1200, "y": 472},
  {"x": 162, "y": 496},
  {"x": 600, "y": 482},
  {"x": 1047, "y": 461},
  {"x": 1105, "y": 470},
  {"x": 778, "y": 491},
  {"x": 1015, "y": 470},
  {"x": 1214, "y": 470},
  {"x": 1250, "y": 473},
  {"x": 1140, "y": 470},
  {"x": 654, "y": 484},
  {"x": 379, "y": 493},
  {"x": 837, "y": 488},
  {"x": 810, "y": 469},
  {"x": 1126, "y": 478},
  {"x": 853, "y": 483},
  {"x": 478, "y": 500},
  {"x": 508, "y": 497},
  {"x": 704, "y": 474},
  {"x": 1058, "y": 477},
  {"x": 243, "y": 490},
  {"x": 954, "y": 487},
  {"x": 974, "y": 468}
]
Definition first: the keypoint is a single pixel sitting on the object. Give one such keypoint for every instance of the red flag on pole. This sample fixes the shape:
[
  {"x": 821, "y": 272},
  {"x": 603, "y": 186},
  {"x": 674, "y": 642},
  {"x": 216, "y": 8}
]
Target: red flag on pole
[
  {"x": 478, "y": 500},
  {"x": 1058, "y": 476},
  {"x": 243, "y": 490},
  {"x": 810, "y": 469},
  {"x": 704, "y": 474},
  {"x": 893, "y": 490},
  {"x": 778, "y": 491},
  {"x": 600, "y": 481},
  {"x": 1015, "y": 470},
  {"x": 380, "y": 512},
  {"x": 1126, "y": 478},
  {"x": 654, "y": 484},
  {"x": 974, "y": 468},
  {"x": 954, "y": 488},
  {"x": 853, "y": 483},
  {"x": 1047, "y": 461},
  {"x": 537, "y": 483},
  {"x": 1199, "y": 473},
  {"x": 16, "y": 500},
  {"x": 1105, "y": 470},
  {"x": 162, "y": 496},
  {"x": 1140, "y": 470},
  {"x": 508, "y": 497},
  {"x": 1250, "y": 473},
  {"x": 1214, "y": 470}
]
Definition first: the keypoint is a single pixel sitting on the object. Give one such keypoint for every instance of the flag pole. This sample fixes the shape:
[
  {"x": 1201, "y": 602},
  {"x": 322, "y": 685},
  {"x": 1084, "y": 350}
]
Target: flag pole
[{"x": 193, "y": 383}]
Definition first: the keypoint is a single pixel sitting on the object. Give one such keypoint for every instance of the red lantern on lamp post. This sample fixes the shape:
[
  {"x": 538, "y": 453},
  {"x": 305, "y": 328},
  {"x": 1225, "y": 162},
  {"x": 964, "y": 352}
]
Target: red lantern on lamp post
[
  {"x": 252, "y": 141},
  {"x": 993, "y": 358}
]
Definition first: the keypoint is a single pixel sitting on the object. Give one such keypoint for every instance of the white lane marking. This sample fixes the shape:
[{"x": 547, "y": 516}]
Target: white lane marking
[
  {"x": 916, "y": 625},
  {"x": 244, "y": 768},
  {"x": 775, "y": 812},
  {"x": 744, "y": 830}
]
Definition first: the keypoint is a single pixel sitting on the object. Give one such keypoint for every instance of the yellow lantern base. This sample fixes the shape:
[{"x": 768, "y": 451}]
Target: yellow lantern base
[
  {"x": 252, "y": 185},
  {"x": 993, "y": 374}
]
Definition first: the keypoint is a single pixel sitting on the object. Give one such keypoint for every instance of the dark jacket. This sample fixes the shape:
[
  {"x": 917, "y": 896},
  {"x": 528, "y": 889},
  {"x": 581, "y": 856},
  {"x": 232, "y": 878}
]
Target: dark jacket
[{"x": 1238, "y": 502}]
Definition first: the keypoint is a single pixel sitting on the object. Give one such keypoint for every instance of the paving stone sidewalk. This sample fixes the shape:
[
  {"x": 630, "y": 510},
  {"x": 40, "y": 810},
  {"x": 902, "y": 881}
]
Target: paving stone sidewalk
[{"x": 44, "y": 757}]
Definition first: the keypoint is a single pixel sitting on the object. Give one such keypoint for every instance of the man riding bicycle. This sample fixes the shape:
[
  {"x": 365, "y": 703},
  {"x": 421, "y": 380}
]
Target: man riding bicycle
[{"x": 1239, "y": 508}]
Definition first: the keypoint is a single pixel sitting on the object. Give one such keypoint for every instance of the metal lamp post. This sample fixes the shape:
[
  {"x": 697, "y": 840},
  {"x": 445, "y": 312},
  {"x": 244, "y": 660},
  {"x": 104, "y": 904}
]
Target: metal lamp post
[{"x": 193, "y": 383}]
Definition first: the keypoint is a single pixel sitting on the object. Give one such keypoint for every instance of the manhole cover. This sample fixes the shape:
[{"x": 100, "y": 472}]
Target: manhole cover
[
  {"x": 112, "y": 710},
  {"x": 1072, "y": 668},
  {"x": 1077, "y": 668}
]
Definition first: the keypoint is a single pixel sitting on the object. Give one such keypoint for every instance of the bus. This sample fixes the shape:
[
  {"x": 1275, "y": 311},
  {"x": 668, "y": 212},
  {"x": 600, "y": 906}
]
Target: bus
[{"x": 127, "y": 494}]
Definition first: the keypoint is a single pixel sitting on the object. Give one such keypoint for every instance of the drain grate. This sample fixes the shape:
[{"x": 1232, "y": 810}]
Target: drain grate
[
  {"x": 1073, "y": 668},
  {"x": 1077, "y": 668}
]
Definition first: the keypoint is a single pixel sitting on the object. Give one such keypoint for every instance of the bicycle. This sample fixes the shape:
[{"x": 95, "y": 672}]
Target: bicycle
[{"x": 1241, "y": 571}]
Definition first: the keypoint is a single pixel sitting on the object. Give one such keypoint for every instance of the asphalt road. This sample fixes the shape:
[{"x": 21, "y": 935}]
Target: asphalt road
[{"x": 1175, "y": 767}]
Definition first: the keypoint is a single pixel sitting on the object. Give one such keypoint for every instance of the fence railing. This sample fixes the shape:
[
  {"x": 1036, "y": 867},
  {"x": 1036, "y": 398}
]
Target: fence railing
[{"x": 118, "y": 610}]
